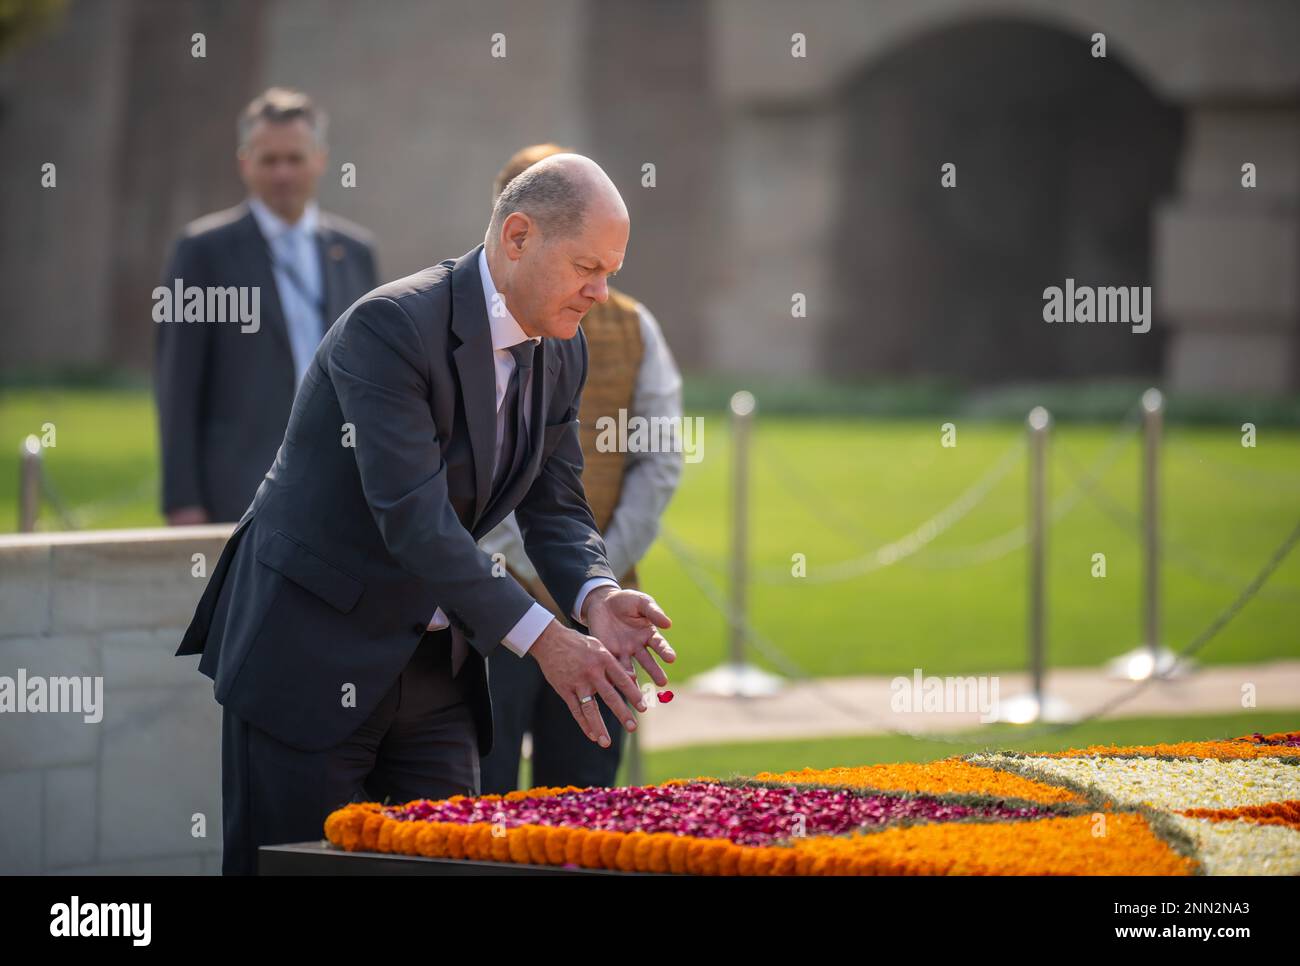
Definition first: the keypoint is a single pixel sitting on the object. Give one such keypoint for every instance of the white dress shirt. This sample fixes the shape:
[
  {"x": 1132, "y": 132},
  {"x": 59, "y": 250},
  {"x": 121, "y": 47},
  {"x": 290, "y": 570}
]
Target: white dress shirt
[
  {"x": 506, "y": 333},
  {"x": 296, "y": 266},
  {"x": 649, "y": 478}
]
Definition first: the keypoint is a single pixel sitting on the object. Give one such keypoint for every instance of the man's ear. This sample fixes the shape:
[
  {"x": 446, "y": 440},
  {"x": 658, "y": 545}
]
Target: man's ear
[{"x": 517, "y": 231}]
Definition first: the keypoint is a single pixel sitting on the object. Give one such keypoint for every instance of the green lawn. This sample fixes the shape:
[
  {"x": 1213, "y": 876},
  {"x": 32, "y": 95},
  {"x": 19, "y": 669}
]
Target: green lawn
[
  {"x": 725, "y": 761},
  {"x": 833, "y": 489},
  {"x": 1226, "y": 507},
  {"x": 104, "y": 465}
]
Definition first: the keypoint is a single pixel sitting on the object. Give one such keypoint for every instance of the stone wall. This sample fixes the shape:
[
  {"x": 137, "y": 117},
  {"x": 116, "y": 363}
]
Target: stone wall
[
  {"x": 775, "y": 175},
  {"x": 857, "y": 161},
  {"x": 118, "y": 795}
]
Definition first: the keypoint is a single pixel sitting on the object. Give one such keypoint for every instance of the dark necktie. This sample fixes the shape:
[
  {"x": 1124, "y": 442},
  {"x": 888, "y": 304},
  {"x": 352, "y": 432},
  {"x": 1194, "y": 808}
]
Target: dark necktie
[
  {"x": 508, "y": 461},
  {"x": 514, "y": 435}
]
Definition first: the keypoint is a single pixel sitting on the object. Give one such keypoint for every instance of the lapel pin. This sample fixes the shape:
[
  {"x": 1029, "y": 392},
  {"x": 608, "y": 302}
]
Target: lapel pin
[{"x": 336, "y": 252}]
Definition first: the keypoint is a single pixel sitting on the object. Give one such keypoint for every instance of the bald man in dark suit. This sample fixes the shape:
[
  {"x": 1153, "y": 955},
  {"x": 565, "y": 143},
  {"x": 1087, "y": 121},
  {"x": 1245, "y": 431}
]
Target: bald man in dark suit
[{"x": 347, "y": 623}]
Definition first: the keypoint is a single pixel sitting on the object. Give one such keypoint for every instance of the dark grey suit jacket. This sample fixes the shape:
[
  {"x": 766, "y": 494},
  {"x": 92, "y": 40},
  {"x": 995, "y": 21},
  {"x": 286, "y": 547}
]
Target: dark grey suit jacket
[
  {"x": 223, "y": 395},
  {"x": 334, "y": 571}
]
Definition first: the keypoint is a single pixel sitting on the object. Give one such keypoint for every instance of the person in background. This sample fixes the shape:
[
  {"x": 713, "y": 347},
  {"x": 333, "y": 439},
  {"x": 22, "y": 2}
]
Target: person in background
[
  {"x": 224, "y": 390},
  {"x": 630, "y": 367}
]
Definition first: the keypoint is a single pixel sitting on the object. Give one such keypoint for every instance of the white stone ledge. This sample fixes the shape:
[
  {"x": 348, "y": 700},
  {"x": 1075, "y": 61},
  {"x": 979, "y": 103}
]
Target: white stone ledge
[{"x": 141, "y": 535}]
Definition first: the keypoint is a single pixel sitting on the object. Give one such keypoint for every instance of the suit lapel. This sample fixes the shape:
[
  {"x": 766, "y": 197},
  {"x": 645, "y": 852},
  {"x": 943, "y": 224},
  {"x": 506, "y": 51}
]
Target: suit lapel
[
  {"x": 255, "y": 257},
  {"x": 474, "y": 366}
]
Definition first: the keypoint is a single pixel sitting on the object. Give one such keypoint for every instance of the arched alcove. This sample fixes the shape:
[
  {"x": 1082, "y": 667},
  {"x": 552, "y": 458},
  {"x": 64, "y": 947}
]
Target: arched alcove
[{"x": 1060, "y": 159}]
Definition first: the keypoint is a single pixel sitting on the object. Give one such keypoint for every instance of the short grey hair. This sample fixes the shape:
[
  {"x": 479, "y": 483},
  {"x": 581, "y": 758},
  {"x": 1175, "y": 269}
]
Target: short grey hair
[
  {"x": 280, "y": 105},
  {"x": 546, "y": 193}
]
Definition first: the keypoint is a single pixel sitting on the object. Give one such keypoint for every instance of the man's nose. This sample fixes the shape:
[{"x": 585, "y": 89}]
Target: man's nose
[{"x": 599, "y": 291}]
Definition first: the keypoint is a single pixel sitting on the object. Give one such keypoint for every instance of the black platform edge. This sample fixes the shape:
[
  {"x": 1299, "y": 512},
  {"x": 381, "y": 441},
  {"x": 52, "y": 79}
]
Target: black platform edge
[{"x": 322, "y": 858}]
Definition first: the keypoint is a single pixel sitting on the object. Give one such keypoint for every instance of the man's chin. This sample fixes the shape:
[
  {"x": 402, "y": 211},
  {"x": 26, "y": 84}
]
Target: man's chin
[
  {"x": 566, "y": 327},
  {"x": 285, "y": 205}
]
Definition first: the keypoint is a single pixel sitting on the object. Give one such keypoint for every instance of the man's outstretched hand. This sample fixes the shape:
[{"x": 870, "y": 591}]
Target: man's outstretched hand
[
  {"x": 627, "y": 622},
  {"x": 624, "y": 626}
]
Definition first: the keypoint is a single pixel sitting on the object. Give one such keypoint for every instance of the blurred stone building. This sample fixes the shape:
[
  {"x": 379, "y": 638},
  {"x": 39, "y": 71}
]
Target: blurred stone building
[{"x": 775, "y": 175}]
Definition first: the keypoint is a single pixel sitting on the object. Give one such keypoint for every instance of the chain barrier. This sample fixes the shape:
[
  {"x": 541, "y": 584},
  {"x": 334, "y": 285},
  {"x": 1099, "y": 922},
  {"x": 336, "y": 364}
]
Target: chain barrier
[
  {"x": 66, "y": 516},
  {"x": 782, "y": 661},
  {"x": 1250, "y": 477},
  {"x": 1170, "y": 551},
  {"x": 86, "y": 514},
  {"x": 910, "y": 545},
  {"x": 1013, "y": 540}
]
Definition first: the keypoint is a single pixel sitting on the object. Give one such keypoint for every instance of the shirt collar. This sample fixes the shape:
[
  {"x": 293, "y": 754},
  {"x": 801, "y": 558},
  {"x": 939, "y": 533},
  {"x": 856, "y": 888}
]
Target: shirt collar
[
  {"x": 273, "y": 226},
  {"x": 505, "y": 330}
]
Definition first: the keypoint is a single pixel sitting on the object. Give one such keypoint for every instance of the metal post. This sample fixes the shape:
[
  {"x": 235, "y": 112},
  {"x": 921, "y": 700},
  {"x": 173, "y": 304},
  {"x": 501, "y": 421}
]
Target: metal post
[
  {"x": 635, "y": 765},
  {"x": 742, "y": 411},
  {"x": 1151, "y": 657},
  {"x": 29, "y": 484},
  {"x": 1036, "y": 705},
  {"x": 1038, "y": 423},
  {"x": 1152, "y": 419},
  {"x": 736, "y": 678}
]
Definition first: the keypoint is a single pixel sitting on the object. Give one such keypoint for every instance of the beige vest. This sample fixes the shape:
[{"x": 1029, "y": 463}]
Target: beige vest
[{"x": 614, "y": 352}]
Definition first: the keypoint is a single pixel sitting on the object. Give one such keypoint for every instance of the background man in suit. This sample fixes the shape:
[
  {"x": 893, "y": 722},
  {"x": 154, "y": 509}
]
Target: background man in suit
[
  {"x": 223, "y": 394},
  {"x": 435, "y": 405},
  {"x": 629, "y": 367}
]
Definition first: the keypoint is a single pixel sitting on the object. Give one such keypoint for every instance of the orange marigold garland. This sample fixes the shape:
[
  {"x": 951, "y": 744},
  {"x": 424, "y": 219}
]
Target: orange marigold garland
[
  {"x": 1276, "y": 813},
  {"x": 1282, "y": 745},
  {"x": 949, "y": 776},
  {"x": 1066, "y": 845},
  {"x": 949, "y": 817}
]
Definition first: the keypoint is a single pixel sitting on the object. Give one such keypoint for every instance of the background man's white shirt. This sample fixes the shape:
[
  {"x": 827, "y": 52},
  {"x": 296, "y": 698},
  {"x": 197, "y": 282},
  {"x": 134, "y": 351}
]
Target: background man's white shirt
[{"x": 294, "y": 250}]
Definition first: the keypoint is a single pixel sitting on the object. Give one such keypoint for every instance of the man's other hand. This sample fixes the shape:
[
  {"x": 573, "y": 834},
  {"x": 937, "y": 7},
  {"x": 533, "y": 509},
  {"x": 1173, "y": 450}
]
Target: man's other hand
[
  {"x": 578, "y": 666},
  {"x": 187, "y": 516}
]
